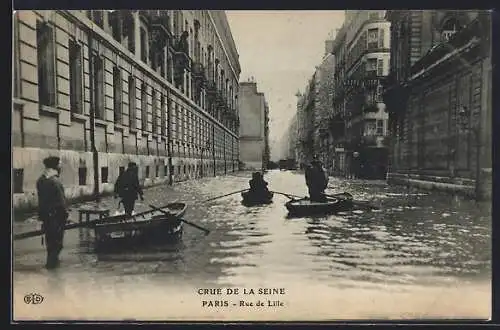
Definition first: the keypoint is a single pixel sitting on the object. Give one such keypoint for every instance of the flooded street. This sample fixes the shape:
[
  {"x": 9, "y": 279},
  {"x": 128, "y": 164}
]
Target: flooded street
[{"x": 422, "y": 254}]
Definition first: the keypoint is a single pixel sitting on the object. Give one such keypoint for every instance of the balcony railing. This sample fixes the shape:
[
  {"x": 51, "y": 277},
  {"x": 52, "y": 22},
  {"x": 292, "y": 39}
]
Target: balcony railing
[
  {"x": 199, "y": 71},
  {"x": 161, "y": 23}
]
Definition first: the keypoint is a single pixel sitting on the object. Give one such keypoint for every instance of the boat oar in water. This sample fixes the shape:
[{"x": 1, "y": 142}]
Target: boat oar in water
[
  {"x": 73, "y": 225},
  {"x": 185, "y": 221},
  {"x": 214, "y": 198},
  {"x": 287, "y": 195},
  {"x": 355, "y": 203}
]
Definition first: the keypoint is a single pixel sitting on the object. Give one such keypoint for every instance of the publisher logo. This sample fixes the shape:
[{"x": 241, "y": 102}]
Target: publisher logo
[{"x": 33, "y": 299}]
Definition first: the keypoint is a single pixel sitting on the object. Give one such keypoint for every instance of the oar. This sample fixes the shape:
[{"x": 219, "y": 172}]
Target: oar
[
  {"x": 287, "y": 195},
  {"x": 214, "y": 198},
  {"x": 74, "y": 225},
  {"x": 185, "y": 221},
  {"x": 366, "y": 205}
]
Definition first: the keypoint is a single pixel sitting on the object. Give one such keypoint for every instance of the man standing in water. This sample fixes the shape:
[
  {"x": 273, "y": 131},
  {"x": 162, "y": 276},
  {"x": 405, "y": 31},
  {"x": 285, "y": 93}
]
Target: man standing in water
[
  {"x": 52, "y": 209},
  {"x": 127, "y": 187}
]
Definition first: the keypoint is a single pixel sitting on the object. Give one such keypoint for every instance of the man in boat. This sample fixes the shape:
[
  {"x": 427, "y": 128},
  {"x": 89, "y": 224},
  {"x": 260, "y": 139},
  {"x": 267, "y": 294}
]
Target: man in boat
[
  {"x": 258, "y": 186},
  {"x": 52, "y": 209},
  {"x": 316, "y": 180},
  {"x": 128, "y": 188}
]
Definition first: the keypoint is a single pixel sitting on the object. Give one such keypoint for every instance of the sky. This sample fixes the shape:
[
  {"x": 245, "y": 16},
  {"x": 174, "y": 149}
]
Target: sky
[{"x": 281, "y": 49}]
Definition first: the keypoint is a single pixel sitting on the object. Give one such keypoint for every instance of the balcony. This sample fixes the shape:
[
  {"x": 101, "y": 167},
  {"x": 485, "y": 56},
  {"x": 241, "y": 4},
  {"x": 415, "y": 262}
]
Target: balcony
[
  {"x": 160, "y": 24},
  {"x": 199, "y": 71}
]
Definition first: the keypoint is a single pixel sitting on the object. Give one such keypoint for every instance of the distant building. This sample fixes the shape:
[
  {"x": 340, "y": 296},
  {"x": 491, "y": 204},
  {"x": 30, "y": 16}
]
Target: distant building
[
  {"x": 254, "y": 126},
  {"x": 438, "y": 96},
  {"x": 359, "y": 119}
]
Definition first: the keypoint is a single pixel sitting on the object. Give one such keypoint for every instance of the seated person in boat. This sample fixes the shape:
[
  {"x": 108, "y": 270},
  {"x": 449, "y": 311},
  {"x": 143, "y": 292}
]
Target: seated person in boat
[
  {"x": 258, "y": 186},
  {"x": 127, "y": 187},
  {"x": 316, "y": 180}
]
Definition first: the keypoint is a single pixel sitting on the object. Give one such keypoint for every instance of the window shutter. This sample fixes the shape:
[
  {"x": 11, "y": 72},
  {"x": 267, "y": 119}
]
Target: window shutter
[{"x": 381, "y": 34}]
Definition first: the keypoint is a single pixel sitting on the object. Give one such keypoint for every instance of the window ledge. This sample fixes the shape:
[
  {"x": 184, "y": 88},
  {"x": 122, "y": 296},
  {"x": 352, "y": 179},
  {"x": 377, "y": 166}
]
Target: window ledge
[
  {"x": 49, "y": 110},
  {"x": 18, "y": 103},
  {"x": 78, "y": 117},
  {"x": 100, "y": 122}
]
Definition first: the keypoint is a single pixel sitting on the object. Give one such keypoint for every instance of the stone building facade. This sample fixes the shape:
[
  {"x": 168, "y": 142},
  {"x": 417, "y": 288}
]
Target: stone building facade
[
  {"x": 439, "y": 100},
  {"x": 306, "y": 102},
  {"x": 362, "y": 61},
  {"x": 254, "y": 129},
  {"x": 102, "y": 88}
]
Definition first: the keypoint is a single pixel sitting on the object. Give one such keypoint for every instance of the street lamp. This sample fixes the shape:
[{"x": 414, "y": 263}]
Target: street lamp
[{"x": 464, "y": 122}]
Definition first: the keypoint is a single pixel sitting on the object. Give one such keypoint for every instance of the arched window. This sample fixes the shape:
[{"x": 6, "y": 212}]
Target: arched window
[{"x": 449, "y": 28}]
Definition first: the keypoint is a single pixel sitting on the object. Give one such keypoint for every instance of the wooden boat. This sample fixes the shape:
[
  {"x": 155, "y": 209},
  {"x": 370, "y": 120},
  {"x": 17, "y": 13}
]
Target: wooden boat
[
  {"x": 250, "y": 199},
  {"x": 145, "y": 227},
  {"x": 305, "y": 207}
]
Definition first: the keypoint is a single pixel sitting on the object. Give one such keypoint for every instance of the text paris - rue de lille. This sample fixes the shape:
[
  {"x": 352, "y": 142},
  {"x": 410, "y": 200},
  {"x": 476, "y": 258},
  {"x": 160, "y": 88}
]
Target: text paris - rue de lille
[{"x": 247, "y": 292}]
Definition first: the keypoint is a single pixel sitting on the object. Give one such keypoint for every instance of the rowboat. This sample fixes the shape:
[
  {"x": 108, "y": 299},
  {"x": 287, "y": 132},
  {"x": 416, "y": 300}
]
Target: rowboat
[
  {"x": 146, "y": 227},
  {"x": 250, "y": 199},
  {"x": 305, "y": 207}
]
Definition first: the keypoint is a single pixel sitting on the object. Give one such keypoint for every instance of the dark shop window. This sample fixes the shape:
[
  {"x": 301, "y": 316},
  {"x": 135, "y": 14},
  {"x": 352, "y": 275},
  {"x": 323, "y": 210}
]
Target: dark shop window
[
  {"x": 121, "y": 169},
  {"x": 82, "y": 176},
  {"x": 147, "y": 171},
  {"x": 184, "y": 169},
  {"x": 165, "y": 170},
  {"x": 104, "y": 174},
  {"x": 157, "y": 170},
  {"x": 18, "y": 177}
]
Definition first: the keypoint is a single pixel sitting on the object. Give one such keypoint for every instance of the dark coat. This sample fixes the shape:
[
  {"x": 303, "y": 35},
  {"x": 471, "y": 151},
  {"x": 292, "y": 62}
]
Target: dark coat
[
  {"x": 51, "y": 199},
  {"x": 316, "y": 178},
  {"x": 127, "y": 185},
  {"x": 258, "y": 185}
]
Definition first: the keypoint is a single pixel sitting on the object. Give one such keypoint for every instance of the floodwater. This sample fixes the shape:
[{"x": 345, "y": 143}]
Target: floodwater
[{"x": 420, "y": 255}]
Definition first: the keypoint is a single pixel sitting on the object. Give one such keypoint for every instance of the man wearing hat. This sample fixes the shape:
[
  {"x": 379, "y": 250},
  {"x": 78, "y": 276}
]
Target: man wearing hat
[
  {"x": 316, "y": 180},
  {"x": 127, "y": 187},
  {"x": 52, "y": 209}
]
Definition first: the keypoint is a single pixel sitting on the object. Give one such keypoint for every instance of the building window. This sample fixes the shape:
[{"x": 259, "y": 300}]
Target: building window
[
  {"x": 117, "y": 94},
  {"x": 144, "y": 50},
  {"x": 144, "y": 107},
  {"x": 371, "y": 67},
  {"x": 163, "y": 115},
  {"x": 381, "y": 38},
  {"x": 82, "y": 176},
  {"x": 147, "y": 171},
  {"x": 104, "y": 174},
  {"x": 379, "y": 93},
  {"x": 97, "y": 76},
  {"x": 46, "y": 64},
  {"x": 132, "y": 110},
  {"x": 98, "y": 17},
  {"x": 18, "y": 178},
  {"x": 75, "y": 77},
  {"x": 370, "y": 127},
  {"x": 380, "y": 127},
  {"x": 115, "y": 21},
  {"x": 380, "y": 67},
  {"x": 157, "y": 170},
  {"x": 165, "y": 170},
  {"x": 372, "y": 38},
  {"x": 154, "y": 112},
  {"x": 450, "y": 27}
]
